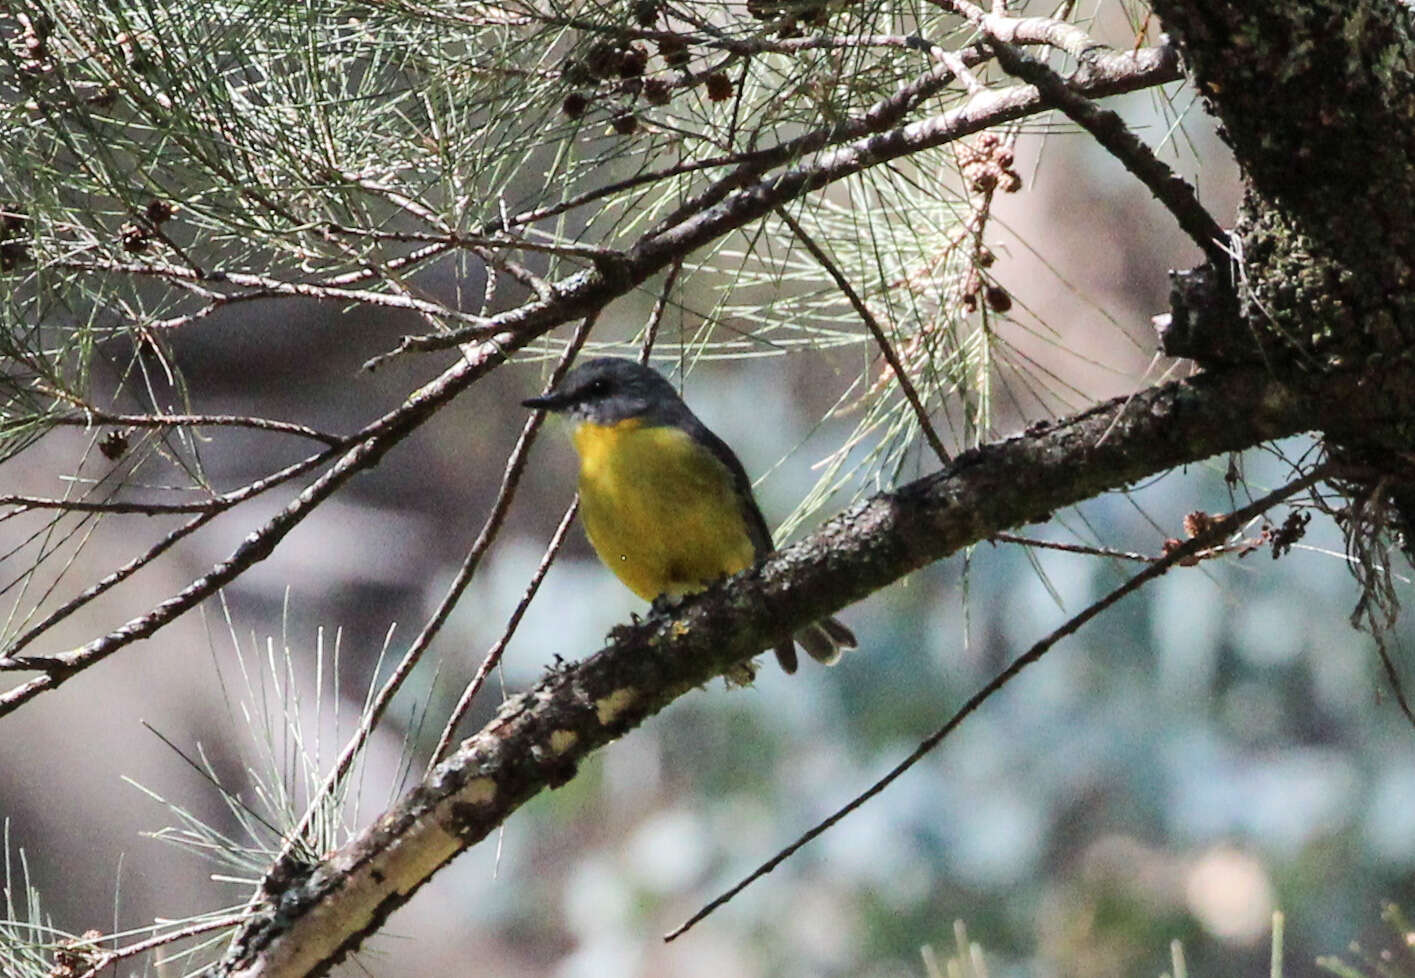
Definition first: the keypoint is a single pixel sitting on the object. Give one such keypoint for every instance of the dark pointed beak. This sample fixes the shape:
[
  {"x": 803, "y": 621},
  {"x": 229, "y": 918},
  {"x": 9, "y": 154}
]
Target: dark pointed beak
[{"x": 548, "y": 402}]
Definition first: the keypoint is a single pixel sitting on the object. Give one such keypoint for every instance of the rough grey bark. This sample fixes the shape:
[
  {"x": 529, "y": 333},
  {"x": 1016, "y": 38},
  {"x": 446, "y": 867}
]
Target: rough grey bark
[{"x": 1317, "y": 100}]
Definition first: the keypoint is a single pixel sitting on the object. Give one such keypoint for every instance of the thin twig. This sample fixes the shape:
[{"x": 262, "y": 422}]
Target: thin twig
[
  {"x": 216, "y": 506},
  {"x": 901, "y": 373},
  {"x": 26, "y": 503},
  {"x": 90, "y": 416},
  {"x": 954, "y": 63},
  {"x": 878, "y": 117},
  {"x": 103, "y": 959},
  {"x": 1053, "y": 32},
  {"x": 1074, "y": 548},
  {"x": 1170, "y": 189},
  {"x": 219, "y": 300},
  {"x": 1392, "y": 674},
  {"x": 963, "y": 8},
  {"x": 458, "y": 239},
  {"x": 493, "y": 655},
  {"x": 543, "y": 290},
  {"x": 367, "y": 448},
  {"x": 434, "y": 249},
  {"x": 12, "y": 661},
  {"x": 510, "y": 480},
  {"x": 660, "y": 306},
  {"x": 1090, "y": 551},
  {"x": 713, "y": 39},
  {"x": 1220, "y": 528}
]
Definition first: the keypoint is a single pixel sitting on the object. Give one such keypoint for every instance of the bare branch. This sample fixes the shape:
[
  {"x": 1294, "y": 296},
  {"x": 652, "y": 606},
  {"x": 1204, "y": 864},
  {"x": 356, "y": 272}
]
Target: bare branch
[
  {"x": 1074, "y": 548},
  {"x": 1188, "y": 550},
  {"x": 660, "y": 306},
  {"x": 26, "y": 503},
  {"x": 89, "y": 416}
]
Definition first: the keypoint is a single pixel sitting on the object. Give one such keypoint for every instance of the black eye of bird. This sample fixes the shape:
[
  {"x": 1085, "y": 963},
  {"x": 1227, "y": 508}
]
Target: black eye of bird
[{"x": 598, "y": 388}]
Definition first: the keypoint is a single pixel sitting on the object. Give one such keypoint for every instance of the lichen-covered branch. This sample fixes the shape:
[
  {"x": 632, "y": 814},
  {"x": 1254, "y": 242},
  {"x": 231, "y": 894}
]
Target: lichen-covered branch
[{"x": 1317, "y": 99}]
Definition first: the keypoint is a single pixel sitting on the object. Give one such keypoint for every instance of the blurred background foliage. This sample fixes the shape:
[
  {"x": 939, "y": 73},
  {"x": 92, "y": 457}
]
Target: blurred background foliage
[{"x": 1219, "y": 746}]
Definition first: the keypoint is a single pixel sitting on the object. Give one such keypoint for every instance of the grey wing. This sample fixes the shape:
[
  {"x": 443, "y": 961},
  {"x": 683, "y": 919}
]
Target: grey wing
[{"x": 751, "y": 515}]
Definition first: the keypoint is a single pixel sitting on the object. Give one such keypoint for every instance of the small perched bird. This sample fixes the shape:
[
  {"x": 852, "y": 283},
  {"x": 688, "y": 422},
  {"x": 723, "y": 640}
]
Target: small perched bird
[{"x": 665, "y": 503}]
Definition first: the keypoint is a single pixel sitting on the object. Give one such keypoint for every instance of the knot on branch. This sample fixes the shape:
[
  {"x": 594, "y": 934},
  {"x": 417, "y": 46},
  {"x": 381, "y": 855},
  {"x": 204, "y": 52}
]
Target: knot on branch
[{"x": 1203, "y": 323}]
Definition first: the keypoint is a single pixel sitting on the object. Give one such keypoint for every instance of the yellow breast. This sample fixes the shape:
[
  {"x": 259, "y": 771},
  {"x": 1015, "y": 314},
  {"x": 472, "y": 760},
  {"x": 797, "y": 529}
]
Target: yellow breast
[{"x": 660, "y": 510}]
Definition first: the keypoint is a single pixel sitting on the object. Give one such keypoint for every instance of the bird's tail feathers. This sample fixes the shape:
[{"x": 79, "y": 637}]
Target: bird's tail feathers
[{"x": 824, "y": 640}]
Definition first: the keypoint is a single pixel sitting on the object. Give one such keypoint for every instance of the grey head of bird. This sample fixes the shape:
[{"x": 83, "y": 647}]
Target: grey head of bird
[{"x": 607, "y": 390}]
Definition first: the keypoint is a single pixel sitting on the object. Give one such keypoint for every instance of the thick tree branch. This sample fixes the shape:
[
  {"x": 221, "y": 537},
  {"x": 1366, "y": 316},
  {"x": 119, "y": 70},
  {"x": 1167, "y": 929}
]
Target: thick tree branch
[
  {"x": 313, "y": 916},
  {"x": 1316, "y": 98},
  {"x": 1190, "y": 550}
]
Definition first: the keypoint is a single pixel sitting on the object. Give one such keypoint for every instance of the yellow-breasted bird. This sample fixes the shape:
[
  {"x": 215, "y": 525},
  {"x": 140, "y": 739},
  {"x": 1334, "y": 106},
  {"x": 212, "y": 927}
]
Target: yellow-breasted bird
[{"x": 665, "y": 503}]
